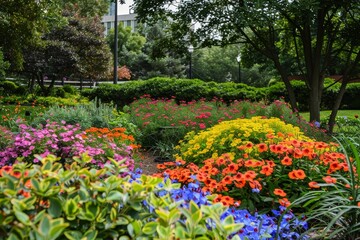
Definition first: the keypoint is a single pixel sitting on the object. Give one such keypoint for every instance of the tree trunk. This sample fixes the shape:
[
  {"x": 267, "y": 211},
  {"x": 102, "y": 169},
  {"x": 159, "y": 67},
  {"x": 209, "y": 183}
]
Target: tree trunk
[
  {"x": 289, "y": 88},
  {"x": 336, "y": 107}
]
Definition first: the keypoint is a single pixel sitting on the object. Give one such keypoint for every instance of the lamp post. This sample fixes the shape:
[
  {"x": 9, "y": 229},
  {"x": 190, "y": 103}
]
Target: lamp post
[
  {"x": 238, "y": 59},
  {"x": 116, "y": 43},
  {"x": 191, "y": 50}
]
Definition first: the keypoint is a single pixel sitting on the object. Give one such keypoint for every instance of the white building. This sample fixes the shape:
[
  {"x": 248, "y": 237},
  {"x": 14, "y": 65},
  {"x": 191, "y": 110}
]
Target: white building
[{"x": 127, "y": 19}]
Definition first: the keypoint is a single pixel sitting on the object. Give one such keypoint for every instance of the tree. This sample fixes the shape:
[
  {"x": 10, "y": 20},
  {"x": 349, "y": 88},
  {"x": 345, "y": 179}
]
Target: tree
[
  {"x": 308, "y": 35},
  {"x": 144, "y": 54},
  {"x": 4, "y": 65},
  {"x": 76, "y": 50},
  {"x": 22, "y": 23}
]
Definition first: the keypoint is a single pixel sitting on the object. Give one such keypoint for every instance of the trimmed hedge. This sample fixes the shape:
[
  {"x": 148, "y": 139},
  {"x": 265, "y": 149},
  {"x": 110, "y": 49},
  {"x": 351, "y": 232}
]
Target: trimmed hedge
[
  {"x": 180, "y": 89},
  {"x": 194, "y": 89}
]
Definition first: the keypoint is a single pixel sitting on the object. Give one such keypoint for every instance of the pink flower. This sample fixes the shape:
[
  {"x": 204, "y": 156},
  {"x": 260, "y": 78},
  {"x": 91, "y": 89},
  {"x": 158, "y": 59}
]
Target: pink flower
[{"x": 202, "y": 125}]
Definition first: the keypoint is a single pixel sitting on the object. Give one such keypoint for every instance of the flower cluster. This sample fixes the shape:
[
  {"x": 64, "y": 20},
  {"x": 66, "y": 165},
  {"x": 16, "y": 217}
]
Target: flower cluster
[
  {"x": 65, "y": 141},
  {"x": 277, "y": 224},
  {"x": 228, "y": 135},
  {"x": 259, "y": 175}
]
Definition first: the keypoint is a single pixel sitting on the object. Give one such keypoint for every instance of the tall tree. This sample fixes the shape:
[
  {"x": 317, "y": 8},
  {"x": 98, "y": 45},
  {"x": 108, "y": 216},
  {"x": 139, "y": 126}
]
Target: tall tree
[
  {"x": 22, "y": 23},
  {"x": 76, "y": 50},
  {"x": 307, "y": 34}
]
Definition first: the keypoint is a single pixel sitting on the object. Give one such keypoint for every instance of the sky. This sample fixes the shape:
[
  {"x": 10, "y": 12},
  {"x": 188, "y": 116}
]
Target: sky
[{"x": 124, "y": 8}]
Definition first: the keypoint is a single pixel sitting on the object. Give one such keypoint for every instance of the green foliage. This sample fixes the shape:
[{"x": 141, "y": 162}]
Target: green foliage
[
  {"x": 3, "y": 64},
  {"x": 23, "y": 24},
  {"x": 331, "y": 89},
  {"x": 90, "y": 115},
  {"x": 180, "y": 89},
  {"x": 47, "y": 201},
  {"x": 70, "y": 89}
]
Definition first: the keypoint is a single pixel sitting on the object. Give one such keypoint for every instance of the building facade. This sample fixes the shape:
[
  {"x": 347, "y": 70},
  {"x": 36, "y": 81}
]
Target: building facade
[{"x": 127, "y": 20}]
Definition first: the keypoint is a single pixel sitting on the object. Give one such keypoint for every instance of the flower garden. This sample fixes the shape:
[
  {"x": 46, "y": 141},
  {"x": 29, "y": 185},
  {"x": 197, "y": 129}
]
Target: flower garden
[{"x": 231, "y": 171}]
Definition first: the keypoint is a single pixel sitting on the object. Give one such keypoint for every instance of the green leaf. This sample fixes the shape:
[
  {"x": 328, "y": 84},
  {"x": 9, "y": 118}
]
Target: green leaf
[
  {"x": 114, "y": 196},
  {"x": 57, "y": 227},
  {"x": 113, "y": 214},
  {"x": 90, "y": 234},
  {"x": 55, "y": 208},
  {"x": 73, "y": 235},
  {"x": 22, "y": 217},
  {"x": 44, "y": 226},
  {"x": 35, "y": 184},
  {"x": 150, "y": 228},
  {"x": 196, "y": 217}
]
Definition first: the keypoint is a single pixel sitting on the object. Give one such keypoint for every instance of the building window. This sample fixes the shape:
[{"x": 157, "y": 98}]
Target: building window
[{"x": 128, "y": 23}]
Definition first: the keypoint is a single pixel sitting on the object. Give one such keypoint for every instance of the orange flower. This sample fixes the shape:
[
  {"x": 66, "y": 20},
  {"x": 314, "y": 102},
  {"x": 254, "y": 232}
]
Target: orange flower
[
  {"x": 297, "y": 153},
  {"x": 297, "y": 174},
  {"x": 279, "y": 192},
  {"x": 232, "y": 168},
  {"x": 227, "y": 180},
  {"x": 267, "y": 170},
  {"x": 262, "y": 147},
  {"x": 238, "y": 177},
  {"x": 286, "y": 161},
  {"x": 314, "y": 185},
  {"x": 329, "y": 179},
  {"x": 249, "y": 145},
  {"x": 255, "y": 184},
  {"x": 284, "y": 202},
  {"x": 253, "y": 163},
  {"x": 161, "y": 166},
  {"x": 220, "y": 161},
  {"x": 249, "y": 175},
  {"x": 240, "y": 184}
]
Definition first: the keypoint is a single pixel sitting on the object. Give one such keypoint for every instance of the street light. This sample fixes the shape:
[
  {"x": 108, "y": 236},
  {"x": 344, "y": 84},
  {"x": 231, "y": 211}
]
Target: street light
[
  {"x": 116, "y": 44},
  {"x": 191, "y": 50},
  {"x": 116, "y": 40},
  {"x": 238, "y": 59}
]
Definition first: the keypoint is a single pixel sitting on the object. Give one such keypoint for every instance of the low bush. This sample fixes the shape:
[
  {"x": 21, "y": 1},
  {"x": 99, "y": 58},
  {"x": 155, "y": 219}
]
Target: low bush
[
  {"x": 47, "y": 201},
  {"x": 50, "y": 202},
  {"x": 94, "y": 114}
]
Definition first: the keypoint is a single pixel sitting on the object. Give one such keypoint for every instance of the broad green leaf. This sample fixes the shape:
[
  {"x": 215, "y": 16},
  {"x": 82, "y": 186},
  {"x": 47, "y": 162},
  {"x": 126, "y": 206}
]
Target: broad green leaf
[
  {"x": 22, "y": 217},
  {"x": 55, "y": 208},
  {"x": 90, "y": 234},
  {"x": 44, "y": 226},
  {"x": 150, "y": 228},
  {"x": 114, "y": 196}
]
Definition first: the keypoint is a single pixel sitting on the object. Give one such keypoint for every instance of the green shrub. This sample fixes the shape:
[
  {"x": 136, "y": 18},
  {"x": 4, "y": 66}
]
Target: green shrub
[
  {"x": 8, "y": 87},
  {"x": 94, "y": 114},
  {"x": 69, "y": 89},
  {"x": 50, "y": 202},
  {"x": 180, "y": 89}
]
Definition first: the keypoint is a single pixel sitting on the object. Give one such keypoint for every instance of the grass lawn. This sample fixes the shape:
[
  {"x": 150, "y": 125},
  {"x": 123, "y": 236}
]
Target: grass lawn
[{"x": 326, "y": 113}]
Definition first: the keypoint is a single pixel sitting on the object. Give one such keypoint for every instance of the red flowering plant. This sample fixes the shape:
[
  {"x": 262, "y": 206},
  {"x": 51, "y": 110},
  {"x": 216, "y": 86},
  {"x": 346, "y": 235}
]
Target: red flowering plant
[{"x": 260, "y": 175}]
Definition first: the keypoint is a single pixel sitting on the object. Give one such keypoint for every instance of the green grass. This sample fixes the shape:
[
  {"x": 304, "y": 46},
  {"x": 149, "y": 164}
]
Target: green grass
[{"x": 326, "y": 113}]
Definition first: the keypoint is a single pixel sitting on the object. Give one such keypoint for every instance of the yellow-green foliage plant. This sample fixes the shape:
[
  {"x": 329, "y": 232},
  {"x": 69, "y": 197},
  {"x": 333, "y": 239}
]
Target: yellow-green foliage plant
[
  {"x": 226, "y": 136},
  {"x": 47, "y": 201}
]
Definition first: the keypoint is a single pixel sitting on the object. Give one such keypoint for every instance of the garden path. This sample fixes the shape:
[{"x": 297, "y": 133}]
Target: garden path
[{"x": 147, "y": 163}]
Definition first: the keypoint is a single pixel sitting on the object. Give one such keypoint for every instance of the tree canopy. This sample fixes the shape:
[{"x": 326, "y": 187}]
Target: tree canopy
[
  {"x": 77, "y": 49},
  {"x": 312, "y": 38}
]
